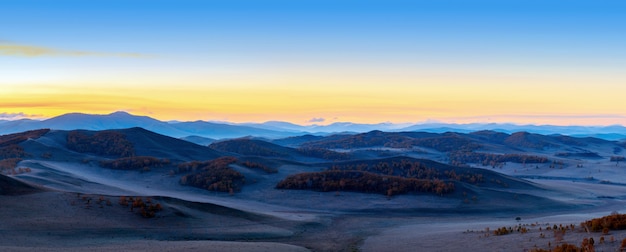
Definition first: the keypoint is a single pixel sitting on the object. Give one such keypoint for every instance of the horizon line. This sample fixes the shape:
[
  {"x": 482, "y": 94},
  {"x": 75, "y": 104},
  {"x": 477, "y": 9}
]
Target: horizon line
[{"x": 22, "y": 116}]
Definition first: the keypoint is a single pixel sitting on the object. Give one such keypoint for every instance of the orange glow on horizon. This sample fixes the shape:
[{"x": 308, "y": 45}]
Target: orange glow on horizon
[{"x": 450, "y": 103}]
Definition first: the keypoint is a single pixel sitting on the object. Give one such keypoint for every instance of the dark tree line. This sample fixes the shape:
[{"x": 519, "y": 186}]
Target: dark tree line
[
  {"x": 9, "y": 147},
  {"x": 410, "y": 169},
  {"x": 146, "y": 208},
  {"x": 465, "y": 157},
  {"x": 12, "y": 151},
  {"x": 259, "y": 166},
  {"x": 16, "y": 138},
  {"x": 144, "y": 163},
  {"x": 214, "y": 175},
  {"x": 610, "y": 222},
  {"x": 444, "y": 143},
  {"x": 366, "y": 182},
  {"x": 9, "y": 166},
  {"x": 109, "y": 143}
]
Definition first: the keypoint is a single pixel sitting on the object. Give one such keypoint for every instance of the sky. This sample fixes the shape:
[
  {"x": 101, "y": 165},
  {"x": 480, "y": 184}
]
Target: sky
[{"x": 317, "y": 61}]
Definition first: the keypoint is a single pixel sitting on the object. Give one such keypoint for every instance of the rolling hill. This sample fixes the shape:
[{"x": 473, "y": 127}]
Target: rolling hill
[
  {"x": 252, "y": 147},
  {"x": 301, "y": 186}
]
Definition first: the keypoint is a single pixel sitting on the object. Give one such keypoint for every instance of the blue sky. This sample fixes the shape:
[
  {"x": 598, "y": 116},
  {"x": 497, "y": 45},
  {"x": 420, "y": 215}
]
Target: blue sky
[{"x": 496, "y": 46}]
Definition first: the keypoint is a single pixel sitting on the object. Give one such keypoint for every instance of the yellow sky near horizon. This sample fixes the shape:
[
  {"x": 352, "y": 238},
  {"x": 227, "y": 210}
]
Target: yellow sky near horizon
[{"x": 362, "y": 101}]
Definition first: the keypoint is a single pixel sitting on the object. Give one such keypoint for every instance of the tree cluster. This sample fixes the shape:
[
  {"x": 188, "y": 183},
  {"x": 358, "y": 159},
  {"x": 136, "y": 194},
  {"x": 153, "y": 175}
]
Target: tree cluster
[
  {"x": 16, "y": 138},
  {"x": 259, "y": 166},
  {"x": 214, "y": 175},
  {"x": 9, "y": 167},
  {"x": 502, "y": 231},
  {"x": 410, "y": 169},
  {"x": 565, "y": 247},
  {"x": 144, "y": 163},
  {"x": 370, "y": 139},
  {"x": 444, "y": 143},
  {"x": 527, "y": 140},
  {"x": 465, "y": 157},
  {"x": 147, "y": 208},
  {"x": 195, "y": 166},
  {"x": 109, "y": 143},
  {"x": 366, "y": 182},
  {"x": 617, "y": 158},
  {"x": 578, "y": 154},
  {"x": 402, "y": 168},
  {"x": 12, "y": 151},
  {"x": 9, "y": 163},
  {"x": 614, "y": 221}
]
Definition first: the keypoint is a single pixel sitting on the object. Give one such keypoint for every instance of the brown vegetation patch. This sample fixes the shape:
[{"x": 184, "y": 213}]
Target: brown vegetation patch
[
  {"x": 614, "y": 221},
  {"x": 12, "y": 151},
  {"x": 9, "y": 167},
  {"x": 214, "y": 175},
  {"x": 464, "y": 157},
  {"x": 144, "y": 163},
  {"x": 410, "y": 169},
  {"x": 360, "y": 181},
  {"x": 145, "y": 207},
  {"x": 444, "y": 143},
  {"x": 108, "y": 143},
  {"x": 16, "y": 138},
  {"x": 259, "y": 166}
]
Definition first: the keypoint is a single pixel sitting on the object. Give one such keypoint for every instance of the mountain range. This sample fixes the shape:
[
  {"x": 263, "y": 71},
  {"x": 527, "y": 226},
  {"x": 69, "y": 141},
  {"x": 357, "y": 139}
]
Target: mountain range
[{"x": 277, "y": 129}]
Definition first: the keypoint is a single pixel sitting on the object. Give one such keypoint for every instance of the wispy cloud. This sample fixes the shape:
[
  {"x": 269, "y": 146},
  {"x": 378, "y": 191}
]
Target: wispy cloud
[
  {"x": 15, "y": 116},
  {"x": 20, "y": 50},
  {"x": 316, "y": 120}
]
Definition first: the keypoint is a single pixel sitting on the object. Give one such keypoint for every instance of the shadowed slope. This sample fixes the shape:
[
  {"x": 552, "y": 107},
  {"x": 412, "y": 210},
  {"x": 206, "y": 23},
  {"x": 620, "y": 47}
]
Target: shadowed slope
[
  {"x": 11, "y": 186},
  {"x": 148, "y": 143},
  {"x": 251, "y": 147}
]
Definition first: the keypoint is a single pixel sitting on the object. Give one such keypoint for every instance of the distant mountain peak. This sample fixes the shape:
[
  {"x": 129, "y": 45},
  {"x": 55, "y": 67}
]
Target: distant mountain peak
[{"x": 120, "y": 113}]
